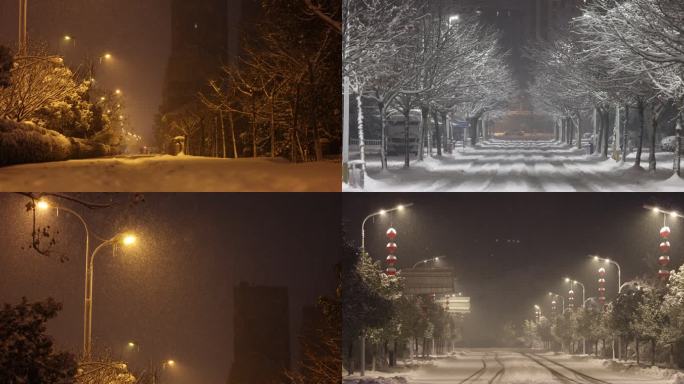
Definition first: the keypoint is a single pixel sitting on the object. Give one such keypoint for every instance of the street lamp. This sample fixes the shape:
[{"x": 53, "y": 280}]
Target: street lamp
[
  {"x": 609, "y": 261},
  {"x": 381, "y": 212},
  {"x": 573, "y": 282},
  {"x": 127, "y": 239},
  {"x": 433, "y": 259},
  {"x": 552, "y": 294},
  {"x": 584, "y": 305},
  {"x": 70, "y": 39}
]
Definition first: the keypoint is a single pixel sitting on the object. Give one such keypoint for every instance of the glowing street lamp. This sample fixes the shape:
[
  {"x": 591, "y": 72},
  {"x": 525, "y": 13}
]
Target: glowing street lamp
[
  {"x": 381, "y": 212},
  {"x": 609, "y": 261},
  {"x": 555, "y": 295},
  {"x": 126, "y": 239},
  {"x": 432, "y": 259}
]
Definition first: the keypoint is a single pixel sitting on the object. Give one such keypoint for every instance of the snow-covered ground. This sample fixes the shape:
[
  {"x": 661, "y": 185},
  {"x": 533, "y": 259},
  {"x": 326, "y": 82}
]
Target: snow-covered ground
[
  {"x": 521, "y": 166},
  {"x": 518, "y": 367},
  {"x": 172, "y": 174}
]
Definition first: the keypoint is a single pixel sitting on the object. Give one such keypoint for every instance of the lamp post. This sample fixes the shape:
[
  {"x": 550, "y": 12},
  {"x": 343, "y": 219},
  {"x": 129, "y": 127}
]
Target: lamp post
[
  {"x": 433, "y": 259},
  {"x": 572, "y": 283},
  {"x": 164, "y": 364},
  {"x": 381, "y": 212},
  {"x": 23, "y": 29},
  {"x": 584, "y": 303},
  {"x": 552, "y": 294},
  {"x": 126, "y": 239},
  {"x": 609, "y": 261}
]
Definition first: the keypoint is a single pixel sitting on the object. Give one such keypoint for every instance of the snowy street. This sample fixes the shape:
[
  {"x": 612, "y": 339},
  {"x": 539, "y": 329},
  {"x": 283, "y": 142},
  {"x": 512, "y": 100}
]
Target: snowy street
[
  {"x": 173, "y": 174},
  {"x": 521, "y": 166},
  {"x": 507, "y": 367}
]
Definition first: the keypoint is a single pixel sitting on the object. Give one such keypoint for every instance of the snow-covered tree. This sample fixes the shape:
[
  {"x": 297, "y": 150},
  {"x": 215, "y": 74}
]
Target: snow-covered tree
[{"x": 27, "y": 354}]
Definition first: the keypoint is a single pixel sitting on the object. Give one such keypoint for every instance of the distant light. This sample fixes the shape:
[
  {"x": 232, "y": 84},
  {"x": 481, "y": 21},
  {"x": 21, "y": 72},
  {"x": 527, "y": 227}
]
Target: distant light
[
  {"x": 42, "y": 205},
  {"x": 436, "y": 258},
  {"x": 400, "y": 207},
  {"x": 607, "y": 261},
  {"x": 171, "y": 363},
  {"x": 103, "y": 98},
  {"x": 107, "y": 56},
  {"x": 454, "y": 18},
  {"x": 129, "y": 239},
  {"x": 382, "y": 212},
  {"x": 131, "y": 344},
  {"x": 656, "y": 210},
  {"x": 673, "y": 213},
  {"x": 596, "y": 258},
  {"x": 118, "y": 92},
  {"x": 67, "y": 38}
]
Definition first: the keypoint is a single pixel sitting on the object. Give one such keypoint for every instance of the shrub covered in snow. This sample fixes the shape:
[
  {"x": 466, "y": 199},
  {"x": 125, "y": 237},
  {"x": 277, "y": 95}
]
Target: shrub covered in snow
[{"x": 28, "y": 143}]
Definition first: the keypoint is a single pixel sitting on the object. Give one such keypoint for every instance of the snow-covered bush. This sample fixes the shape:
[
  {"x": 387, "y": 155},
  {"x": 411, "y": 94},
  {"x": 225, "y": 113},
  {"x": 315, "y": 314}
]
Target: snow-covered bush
[{"x": 27, "y": 143}]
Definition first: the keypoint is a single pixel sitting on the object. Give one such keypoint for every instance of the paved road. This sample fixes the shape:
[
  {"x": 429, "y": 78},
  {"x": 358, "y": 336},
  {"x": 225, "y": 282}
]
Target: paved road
[
  {"x": 508, "y": 367},
  {"x": 522, "y": 166}
]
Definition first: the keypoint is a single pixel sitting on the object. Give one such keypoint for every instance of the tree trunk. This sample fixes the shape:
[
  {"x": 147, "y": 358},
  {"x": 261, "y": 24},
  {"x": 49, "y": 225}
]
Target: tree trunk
[
  {"x": 383, "y": 137},
  {"x": 438, "y": 134},
  {"x": 678, "y": 147},
  {"x": 640, "y": 109},
  {"x": 473, "y": 131},
  {"x": 362, "y": 141},
  {"x": 447, "y": 131},
  {"x": 407, "y": 145},
  {"x": 605, "y": 132},
  {"x": 625, "y": 134},
  {"x": 424, "y": 127},
  {"x": 636, "y": 348},
  {"x": 272, "y": 127},
  {"x": 652, "y": 164},
  {"x": 579, "y": 132},
  {"x": 254, "y": 127},
  {"x": 653, "y": 352}
]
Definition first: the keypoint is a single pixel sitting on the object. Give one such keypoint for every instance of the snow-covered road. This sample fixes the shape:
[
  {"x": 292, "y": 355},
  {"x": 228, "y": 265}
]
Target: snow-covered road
[
  {"x": 172, "y": 174},
  {"x": 521, "y": 166},
  {"x": 511, "y": 367}
]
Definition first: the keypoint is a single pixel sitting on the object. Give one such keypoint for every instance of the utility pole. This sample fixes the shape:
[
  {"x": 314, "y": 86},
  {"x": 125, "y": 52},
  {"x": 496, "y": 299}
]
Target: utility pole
[{"x": 23, "y": 31}]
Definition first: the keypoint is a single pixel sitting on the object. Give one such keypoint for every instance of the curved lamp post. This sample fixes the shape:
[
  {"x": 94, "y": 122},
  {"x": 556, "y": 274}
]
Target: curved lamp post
[
  {"x": 609, "y": 261},
  {"x": 381, "y": 212},
  {"x": 126, "y": 239},
  {"x": 433, "y": 259}
]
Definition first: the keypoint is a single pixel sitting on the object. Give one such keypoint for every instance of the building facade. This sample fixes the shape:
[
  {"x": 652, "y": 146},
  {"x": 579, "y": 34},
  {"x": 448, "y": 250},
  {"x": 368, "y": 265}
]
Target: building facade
[{"x": 205, "y": 35}]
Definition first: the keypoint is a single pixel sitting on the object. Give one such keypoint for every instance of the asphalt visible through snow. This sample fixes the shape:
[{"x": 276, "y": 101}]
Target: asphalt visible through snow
[
  {"x": 520, "y": 166},
  {"x": 509, "y": 367}
]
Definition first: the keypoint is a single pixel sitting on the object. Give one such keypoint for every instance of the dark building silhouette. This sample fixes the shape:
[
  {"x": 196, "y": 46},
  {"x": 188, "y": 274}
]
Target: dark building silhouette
[
  {"x": 261, "y": 335},
  {"x": 205, "y": 34}
]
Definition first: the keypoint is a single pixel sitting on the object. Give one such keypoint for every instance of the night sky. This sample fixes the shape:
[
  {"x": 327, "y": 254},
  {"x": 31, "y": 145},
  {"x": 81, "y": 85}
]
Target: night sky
[
  {"x": 172, "y": 293},
  {"x": 137, "y": 33},
  {"x": 479, "y": 234}
]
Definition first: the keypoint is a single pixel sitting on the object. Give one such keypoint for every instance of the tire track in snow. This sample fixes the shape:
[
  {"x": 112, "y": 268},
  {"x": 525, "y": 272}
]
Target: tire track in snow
[{"x": 580, "y": 378}]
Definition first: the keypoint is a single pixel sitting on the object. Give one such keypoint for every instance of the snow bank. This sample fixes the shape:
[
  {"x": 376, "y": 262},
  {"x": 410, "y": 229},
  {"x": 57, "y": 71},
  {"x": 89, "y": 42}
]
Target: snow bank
[
  {"x": 172, "y": 174},
  {"x": 633, "y": 369}
]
